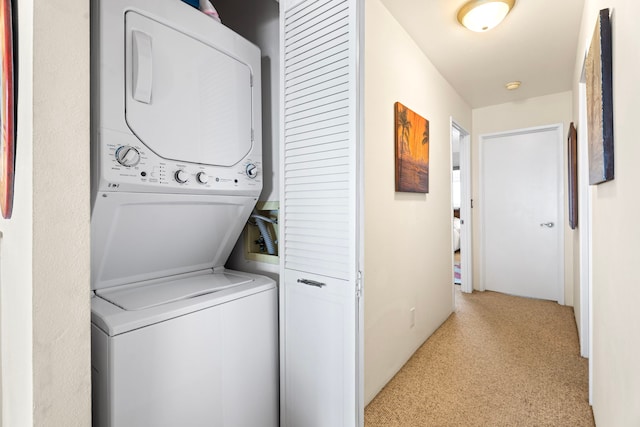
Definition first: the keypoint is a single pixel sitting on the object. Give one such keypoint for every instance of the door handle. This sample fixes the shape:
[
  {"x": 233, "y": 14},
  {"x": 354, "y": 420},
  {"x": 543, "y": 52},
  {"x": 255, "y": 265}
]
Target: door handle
[
  {"x": 312, "y": 283},
  {"x": 547, "y": 224},
  {"x": 142, "y": 67}
]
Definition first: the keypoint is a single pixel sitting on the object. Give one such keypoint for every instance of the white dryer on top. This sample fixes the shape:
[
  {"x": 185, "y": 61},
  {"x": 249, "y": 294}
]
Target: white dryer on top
[{"x": 177, "y": 107}]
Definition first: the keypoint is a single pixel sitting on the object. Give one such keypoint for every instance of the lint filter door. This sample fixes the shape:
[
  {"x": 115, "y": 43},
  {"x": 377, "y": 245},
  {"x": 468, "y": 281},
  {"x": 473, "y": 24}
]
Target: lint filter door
[{"x": 186, "y": 99}]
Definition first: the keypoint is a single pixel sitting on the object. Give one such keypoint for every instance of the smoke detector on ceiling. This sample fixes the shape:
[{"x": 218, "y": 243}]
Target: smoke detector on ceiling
[{"x": 513, "y": 85}]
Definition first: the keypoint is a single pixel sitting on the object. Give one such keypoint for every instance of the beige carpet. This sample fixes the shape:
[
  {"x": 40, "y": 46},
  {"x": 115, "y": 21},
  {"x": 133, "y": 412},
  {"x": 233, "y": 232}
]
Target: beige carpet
[{"x": 497, "y": 361}]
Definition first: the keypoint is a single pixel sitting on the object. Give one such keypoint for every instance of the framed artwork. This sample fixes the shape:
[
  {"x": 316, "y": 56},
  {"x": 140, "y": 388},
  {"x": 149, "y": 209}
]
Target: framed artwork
[
  {"x": 7, "y": 118},
  {"x": 572, "y": 143},
  {"x": 599, "y": 75},
  {"x": 412, "y": 150}
]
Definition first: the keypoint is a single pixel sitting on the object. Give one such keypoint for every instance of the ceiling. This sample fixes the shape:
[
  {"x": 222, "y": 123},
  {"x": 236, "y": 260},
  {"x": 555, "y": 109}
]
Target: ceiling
[{"x": 535, "y": 44}]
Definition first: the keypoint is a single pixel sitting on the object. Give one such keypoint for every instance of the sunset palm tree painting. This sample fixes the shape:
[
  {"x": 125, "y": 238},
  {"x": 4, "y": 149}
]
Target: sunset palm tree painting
[{"x": 412, "y": 150}]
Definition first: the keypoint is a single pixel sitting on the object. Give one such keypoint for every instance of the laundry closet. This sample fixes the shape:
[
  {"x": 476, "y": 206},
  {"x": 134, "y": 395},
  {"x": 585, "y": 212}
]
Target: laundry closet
[
  {"x": 314, "y": 63},
  {"x": 195, "y": 321}
]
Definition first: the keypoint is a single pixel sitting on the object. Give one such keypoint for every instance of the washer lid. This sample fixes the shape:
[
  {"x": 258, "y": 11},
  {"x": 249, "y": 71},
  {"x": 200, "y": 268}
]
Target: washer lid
[
  {"x": 141, "y": 297},
  {"x": 187, "y": 99},
  {"x": 145, "y": 236},
  {"x": 114, "y": 321}
]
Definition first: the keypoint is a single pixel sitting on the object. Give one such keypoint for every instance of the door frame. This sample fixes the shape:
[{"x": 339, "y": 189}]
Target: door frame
[
  {"x": 466, "y": 232},
  {"x": 360, "y": 106},
  {"x": 558, "y": 128}
]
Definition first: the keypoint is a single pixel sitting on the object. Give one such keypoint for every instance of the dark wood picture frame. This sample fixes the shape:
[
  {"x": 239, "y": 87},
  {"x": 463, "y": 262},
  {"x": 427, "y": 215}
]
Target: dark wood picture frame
[
  {"x": 599, "y": 76},
  {"x": 572, "y": 144},
  {"x": 411, "y": 150},
  {"x": 7, "y": 109}
]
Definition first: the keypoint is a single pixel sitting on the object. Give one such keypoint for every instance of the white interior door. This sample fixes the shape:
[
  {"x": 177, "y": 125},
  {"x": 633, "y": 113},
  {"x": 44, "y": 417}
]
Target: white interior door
[
  {"x": 522, "y": 213},
  {"x": 320, "y": 295}
]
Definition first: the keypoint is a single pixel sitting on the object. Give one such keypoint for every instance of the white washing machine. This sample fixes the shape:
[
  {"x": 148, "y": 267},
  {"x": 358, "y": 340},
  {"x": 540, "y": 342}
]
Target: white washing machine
[{"x": 177, "y": 340}]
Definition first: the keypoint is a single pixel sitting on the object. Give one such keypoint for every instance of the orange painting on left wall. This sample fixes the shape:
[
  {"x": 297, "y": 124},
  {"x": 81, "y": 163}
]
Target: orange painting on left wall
[{"x": 412, "y": 150}]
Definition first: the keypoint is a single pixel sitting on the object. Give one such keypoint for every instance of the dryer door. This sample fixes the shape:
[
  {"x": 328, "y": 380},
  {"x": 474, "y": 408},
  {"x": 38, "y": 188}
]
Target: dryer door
[{"x": 186, "y": 99}]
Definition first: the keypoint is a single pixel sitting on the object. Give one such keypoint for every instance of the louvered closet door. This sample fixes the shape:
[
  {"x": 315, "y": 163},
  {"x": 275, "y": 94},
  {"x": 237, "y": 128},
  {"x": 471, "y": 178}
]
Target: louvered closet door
[{"x": 319, "y": 294}]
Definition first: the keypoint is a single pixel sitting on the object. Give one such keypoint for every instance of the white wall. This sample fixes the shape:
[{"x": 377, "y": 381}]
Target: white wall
[
  {"x": 258, "y": 21},
  {"x": 45, "y": 250},
  {"x": 61, "y": 306},
  {"x": 16, "y": 246},
  {"x": 408, "y": 253},
  {"x": 455, "y": 148},
  {"x": 539, "y": 111},
  {"x": 616, "y": 233}
]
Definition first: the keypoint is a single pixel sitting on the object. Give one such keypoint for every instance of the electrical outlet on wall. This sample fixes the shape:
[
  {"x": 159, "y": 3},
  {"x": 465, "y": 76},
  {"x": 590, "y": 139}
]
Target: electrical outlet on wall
[{"x": 412, "y": 317}]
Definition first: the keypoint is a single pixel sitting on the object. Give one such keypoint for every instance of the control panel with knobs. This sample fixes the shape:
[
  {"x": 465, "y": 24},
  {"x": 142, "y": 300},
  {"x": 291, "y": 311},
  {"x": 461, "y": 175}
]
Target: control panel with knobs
[
  {"x": 129, "y": 166},
  {"x": 202, "y": 178},
  {"x": 181, "y": 176},
  {"x": 251, "y": 170},
  {"x": 127, "y": 156}
]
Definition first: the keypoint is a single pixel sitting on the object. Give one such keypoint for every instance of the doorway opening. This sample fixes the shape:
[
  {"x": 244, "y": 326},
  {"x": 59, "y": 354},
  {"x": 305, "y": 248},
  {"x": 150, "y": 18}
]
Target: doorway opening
[{"x": 461, "y": 207}]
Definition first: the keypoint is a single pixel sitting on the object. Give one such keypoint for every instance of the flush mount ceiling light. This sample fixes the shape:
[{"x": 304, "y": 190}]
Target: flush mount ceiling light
[
  {"x": 483, "y": 15},
  {"x": 513, "y": 85}
]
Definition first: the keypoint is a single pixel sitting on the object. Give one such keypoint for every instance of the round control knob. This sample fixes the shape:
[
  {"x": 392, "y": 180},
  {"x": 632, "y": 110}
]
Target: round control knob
[
  {"x": 181, "y": 176},
  {"x": 127, "y": 156},
  {"x": 202, "y": 178},
  {"x": 251, "y": 170}
]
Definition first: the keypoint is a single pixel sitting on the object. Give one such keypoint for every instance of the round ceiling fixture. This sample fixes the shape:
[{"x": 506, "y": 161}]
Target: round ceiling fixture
[
  {"x": 513, "y": 85},
  {"x": 483, "y": 15}
]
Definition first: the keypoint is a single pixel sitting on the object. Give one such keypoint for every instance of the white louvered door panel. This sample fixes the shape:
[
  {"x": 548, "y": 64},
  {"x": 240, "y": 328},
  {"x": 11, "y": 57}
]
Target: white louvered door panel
[
  {"x": 319, "y": 303},
  {"x": 318, "y": 124}
]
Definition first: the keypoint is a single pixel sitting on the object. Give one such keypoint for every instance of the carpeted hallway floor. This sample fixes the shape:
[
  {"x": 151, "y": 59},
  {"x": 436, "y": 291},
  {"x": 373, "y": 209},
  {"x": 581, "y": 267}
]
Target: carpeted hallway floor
[{"x": 498, "y": 360}]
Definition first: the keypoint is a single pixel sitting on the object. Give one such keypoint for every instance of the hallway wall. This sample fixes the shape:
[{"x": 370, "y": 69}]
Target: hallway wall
[
  {"x": 538, "y": 111},
  {"x": 44, "y": 264},
  {"x": 408, "y": 252},
  {"x": 616, "y": 319},
  {"x": 61, "y": 214}
]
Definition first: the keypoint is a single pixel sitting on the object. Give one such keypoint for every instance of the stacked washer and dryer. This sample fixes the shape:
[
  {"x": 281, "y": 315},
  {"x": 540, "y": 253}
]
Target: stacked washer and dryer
[{"x": 177, "y": 340}]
